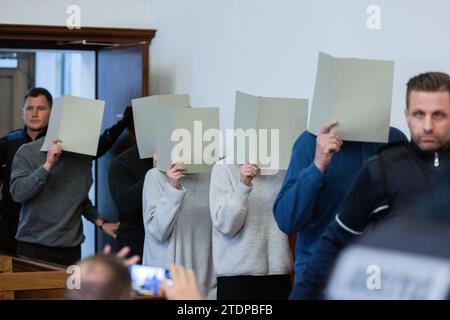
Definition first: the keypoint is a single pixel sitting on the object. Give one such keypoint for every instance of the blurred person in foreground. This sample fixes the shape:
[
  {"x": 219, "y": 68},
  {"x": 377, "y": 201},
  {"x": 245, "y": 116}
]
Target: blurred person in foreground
[{"x": 106, "y": 277}]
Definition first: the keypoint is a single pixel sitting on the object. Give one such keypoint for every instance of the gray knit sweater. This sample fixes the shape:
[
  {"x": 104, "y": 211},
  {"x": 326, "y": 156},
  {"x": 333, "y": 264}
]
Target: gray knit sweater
[
  {"x": 178, "y": 226},
  {"x": 246, "y": 238},
  {"x": 52, "y": 202}
]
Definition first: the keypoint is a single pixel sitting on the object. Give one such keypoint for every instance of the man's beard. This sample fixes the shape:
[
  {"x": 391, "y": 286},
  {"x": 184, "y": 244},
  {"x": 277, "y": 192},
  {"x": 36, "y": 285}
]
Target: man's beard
[
  {"x": 439, "y": 143},
  {"x": 445, "y": 146}
]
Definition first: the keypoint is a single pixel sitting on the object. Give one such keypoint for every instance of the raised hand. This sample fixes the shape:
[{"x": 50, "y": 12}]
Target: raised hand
[
  {"x": 122, "y": 254},
  {"x": 184, "y": 286},
  {"x": 248, "y": 172},
  {"x": 174, "y": 174},
  {"x": 54, "y": 151},
  {"x": 327, "y": 145}
]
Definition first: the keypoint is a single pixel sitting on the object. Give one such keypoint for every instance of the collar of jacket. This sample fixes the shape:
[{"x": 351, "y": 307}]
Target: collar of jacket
[
  {"x": 430, "y": 156},
  {"x": 40, "y": 135}
]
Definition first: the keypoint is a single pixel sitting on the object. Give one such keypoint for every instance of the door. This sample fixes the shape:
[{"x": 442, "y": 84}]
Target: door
[
  {"x": 15, "y": 80},
  {"x": 122, "y": 76}
]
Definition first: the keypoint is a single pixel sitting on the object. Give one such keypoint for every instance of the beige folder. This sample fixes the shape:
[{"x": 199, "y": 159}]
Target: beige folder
[
  {"x": 188, "y": 136},
  {"x": 287, "y": 116},
  {"x": 77, "y": 122},
  {"x": 145, "y": 115},
  {"x": 357, "y": 93}
]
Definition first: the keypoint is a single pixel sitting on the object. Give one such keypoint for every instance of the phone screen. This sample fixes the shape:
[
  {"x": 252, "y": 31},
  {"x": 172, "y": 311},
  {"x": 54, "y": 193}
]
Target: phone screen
[{"x": 146, "y": 280}]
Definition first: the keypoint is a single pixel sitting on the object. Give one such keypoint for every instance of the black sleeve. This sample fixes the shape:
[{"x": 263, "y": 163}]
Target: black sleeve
[
  {"x": 125, "y": 190},
  {"x": 368, "y": 195},
  {"x": 3, "y": 159},
  {"x": 110, "y": 136},
  {"x": 3, "y": 150},
  {"x": 107, "y": 139},
  {"x": 313, "y": 278}
]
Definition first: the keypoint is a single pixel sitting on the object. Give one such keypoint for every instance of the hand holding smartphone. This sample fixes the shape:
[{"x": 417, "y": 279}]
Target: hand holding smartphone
[{"x": 146, "y": 280}]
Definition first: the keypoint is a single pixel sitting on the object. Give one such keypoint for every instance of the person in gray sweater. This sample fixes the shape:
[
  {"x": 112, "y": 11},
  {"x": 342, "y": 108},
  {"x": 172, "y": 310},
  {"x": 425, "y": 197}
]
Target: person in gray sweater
[
  {"x": 177, "y": 224},
  {"x": 53, "y": 189},
  {"x": 252, "y": 256}
]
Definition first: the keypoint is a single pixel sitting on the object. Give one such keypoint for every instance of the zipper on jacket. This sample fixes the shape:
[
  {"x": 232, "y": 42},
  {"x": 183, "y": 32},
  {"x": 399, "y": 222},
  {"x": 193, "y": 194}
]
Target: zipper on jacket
[{"x": 436, "y": 159}]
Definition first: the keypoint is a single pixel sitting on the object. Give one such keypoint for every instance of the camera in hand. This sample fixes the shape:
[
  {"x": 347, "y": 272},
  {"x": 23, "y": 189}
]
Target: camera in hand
[{"x": 146, "y": 280}]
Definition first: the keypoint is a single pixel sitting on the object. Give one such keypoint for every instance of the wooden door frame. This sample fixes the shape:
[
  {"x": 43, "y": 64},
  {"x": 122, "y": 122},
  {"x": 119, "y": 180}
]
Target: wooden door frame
[
  {"x": 57, "y": 36},
  {"x": 17, "y": 36}
]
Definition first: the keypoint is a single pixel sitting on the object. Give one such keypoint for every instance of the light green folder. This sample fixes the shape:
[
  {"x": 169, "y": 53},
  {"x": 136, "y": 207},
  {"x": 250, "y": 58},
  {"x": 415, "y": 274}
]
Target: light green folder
[
  {"x": 286, "y": 116},
  {"x": 188, "y": 136},
  {"x": 145, "y": 113},
  {"x": 357, "y": 94},
  {"x": 77, "y": 122}
]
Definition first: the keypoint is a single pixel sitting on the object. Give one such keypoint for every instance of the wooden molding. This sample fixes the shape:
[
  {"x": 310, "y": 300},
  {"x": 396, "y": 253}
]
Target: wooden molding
[{"x": 56, "y": 36}]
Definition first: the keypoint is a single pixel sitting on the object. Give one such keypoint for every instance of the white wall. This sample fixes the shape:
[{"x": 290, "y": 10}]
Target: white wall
[
  {"x": 94, "y": 13},
  {"x": 211, "y": 48}
]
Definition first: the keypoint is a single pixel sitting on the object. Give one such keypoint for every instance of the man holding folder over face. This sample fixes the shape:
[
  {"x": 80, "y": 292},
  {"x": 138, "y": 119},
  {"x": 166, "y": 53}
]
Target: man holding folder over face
[
  {"x": 356, "y": 94},
  {"x": 53, "y": 186}
]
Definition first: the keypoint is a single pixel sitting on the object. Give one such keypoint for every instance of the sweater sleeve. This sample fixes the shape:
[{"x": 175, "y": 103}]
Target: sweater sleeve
[
  {"x": 26, "y": 180},
  {"x": 228, "y": 204},
  {"x": 161, "y": 203},
  {"x": 297, "y": 197}
]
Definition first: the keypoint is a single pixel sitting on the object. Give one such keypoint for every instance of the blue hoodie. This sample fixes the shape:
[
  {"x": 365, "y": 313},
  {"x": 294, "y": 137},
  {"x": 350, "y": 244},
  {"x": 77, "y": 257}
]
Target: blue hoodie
[{"x": 309, "y": 199}]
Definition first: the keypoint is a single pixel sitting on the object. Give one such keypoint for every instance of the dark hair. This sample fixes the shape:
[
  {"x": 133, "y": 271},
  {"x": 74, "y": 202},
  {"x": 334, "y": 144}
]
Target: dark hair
[
  {"x": 103, "y": 277},
  {"x": 36, "y": 92},
  {"x": 429, "y": 82}
]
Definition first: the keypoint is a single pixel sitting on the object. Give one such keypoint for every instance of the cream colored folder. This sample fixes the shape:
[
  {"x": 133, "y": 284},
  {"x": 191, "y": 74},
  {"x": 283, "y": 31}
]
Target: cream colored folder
[{"x": 77, "y": 122}]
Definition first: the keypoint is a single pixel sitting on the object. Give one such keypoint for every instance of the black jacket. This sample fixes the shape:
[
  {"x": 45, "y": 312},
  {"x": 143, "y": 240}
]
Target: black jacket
[
  {"x": 401, "y": 179},
  {"x": 126, "y": 181},
  {"x": 9, "y": 144}
]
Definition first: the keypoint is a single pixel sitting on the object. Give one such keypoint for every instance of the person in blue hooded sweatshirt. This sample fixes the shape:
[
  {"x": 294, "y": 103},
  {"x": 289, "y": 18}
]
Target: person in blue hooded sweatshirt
[{"x": 321, "y": 171}]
